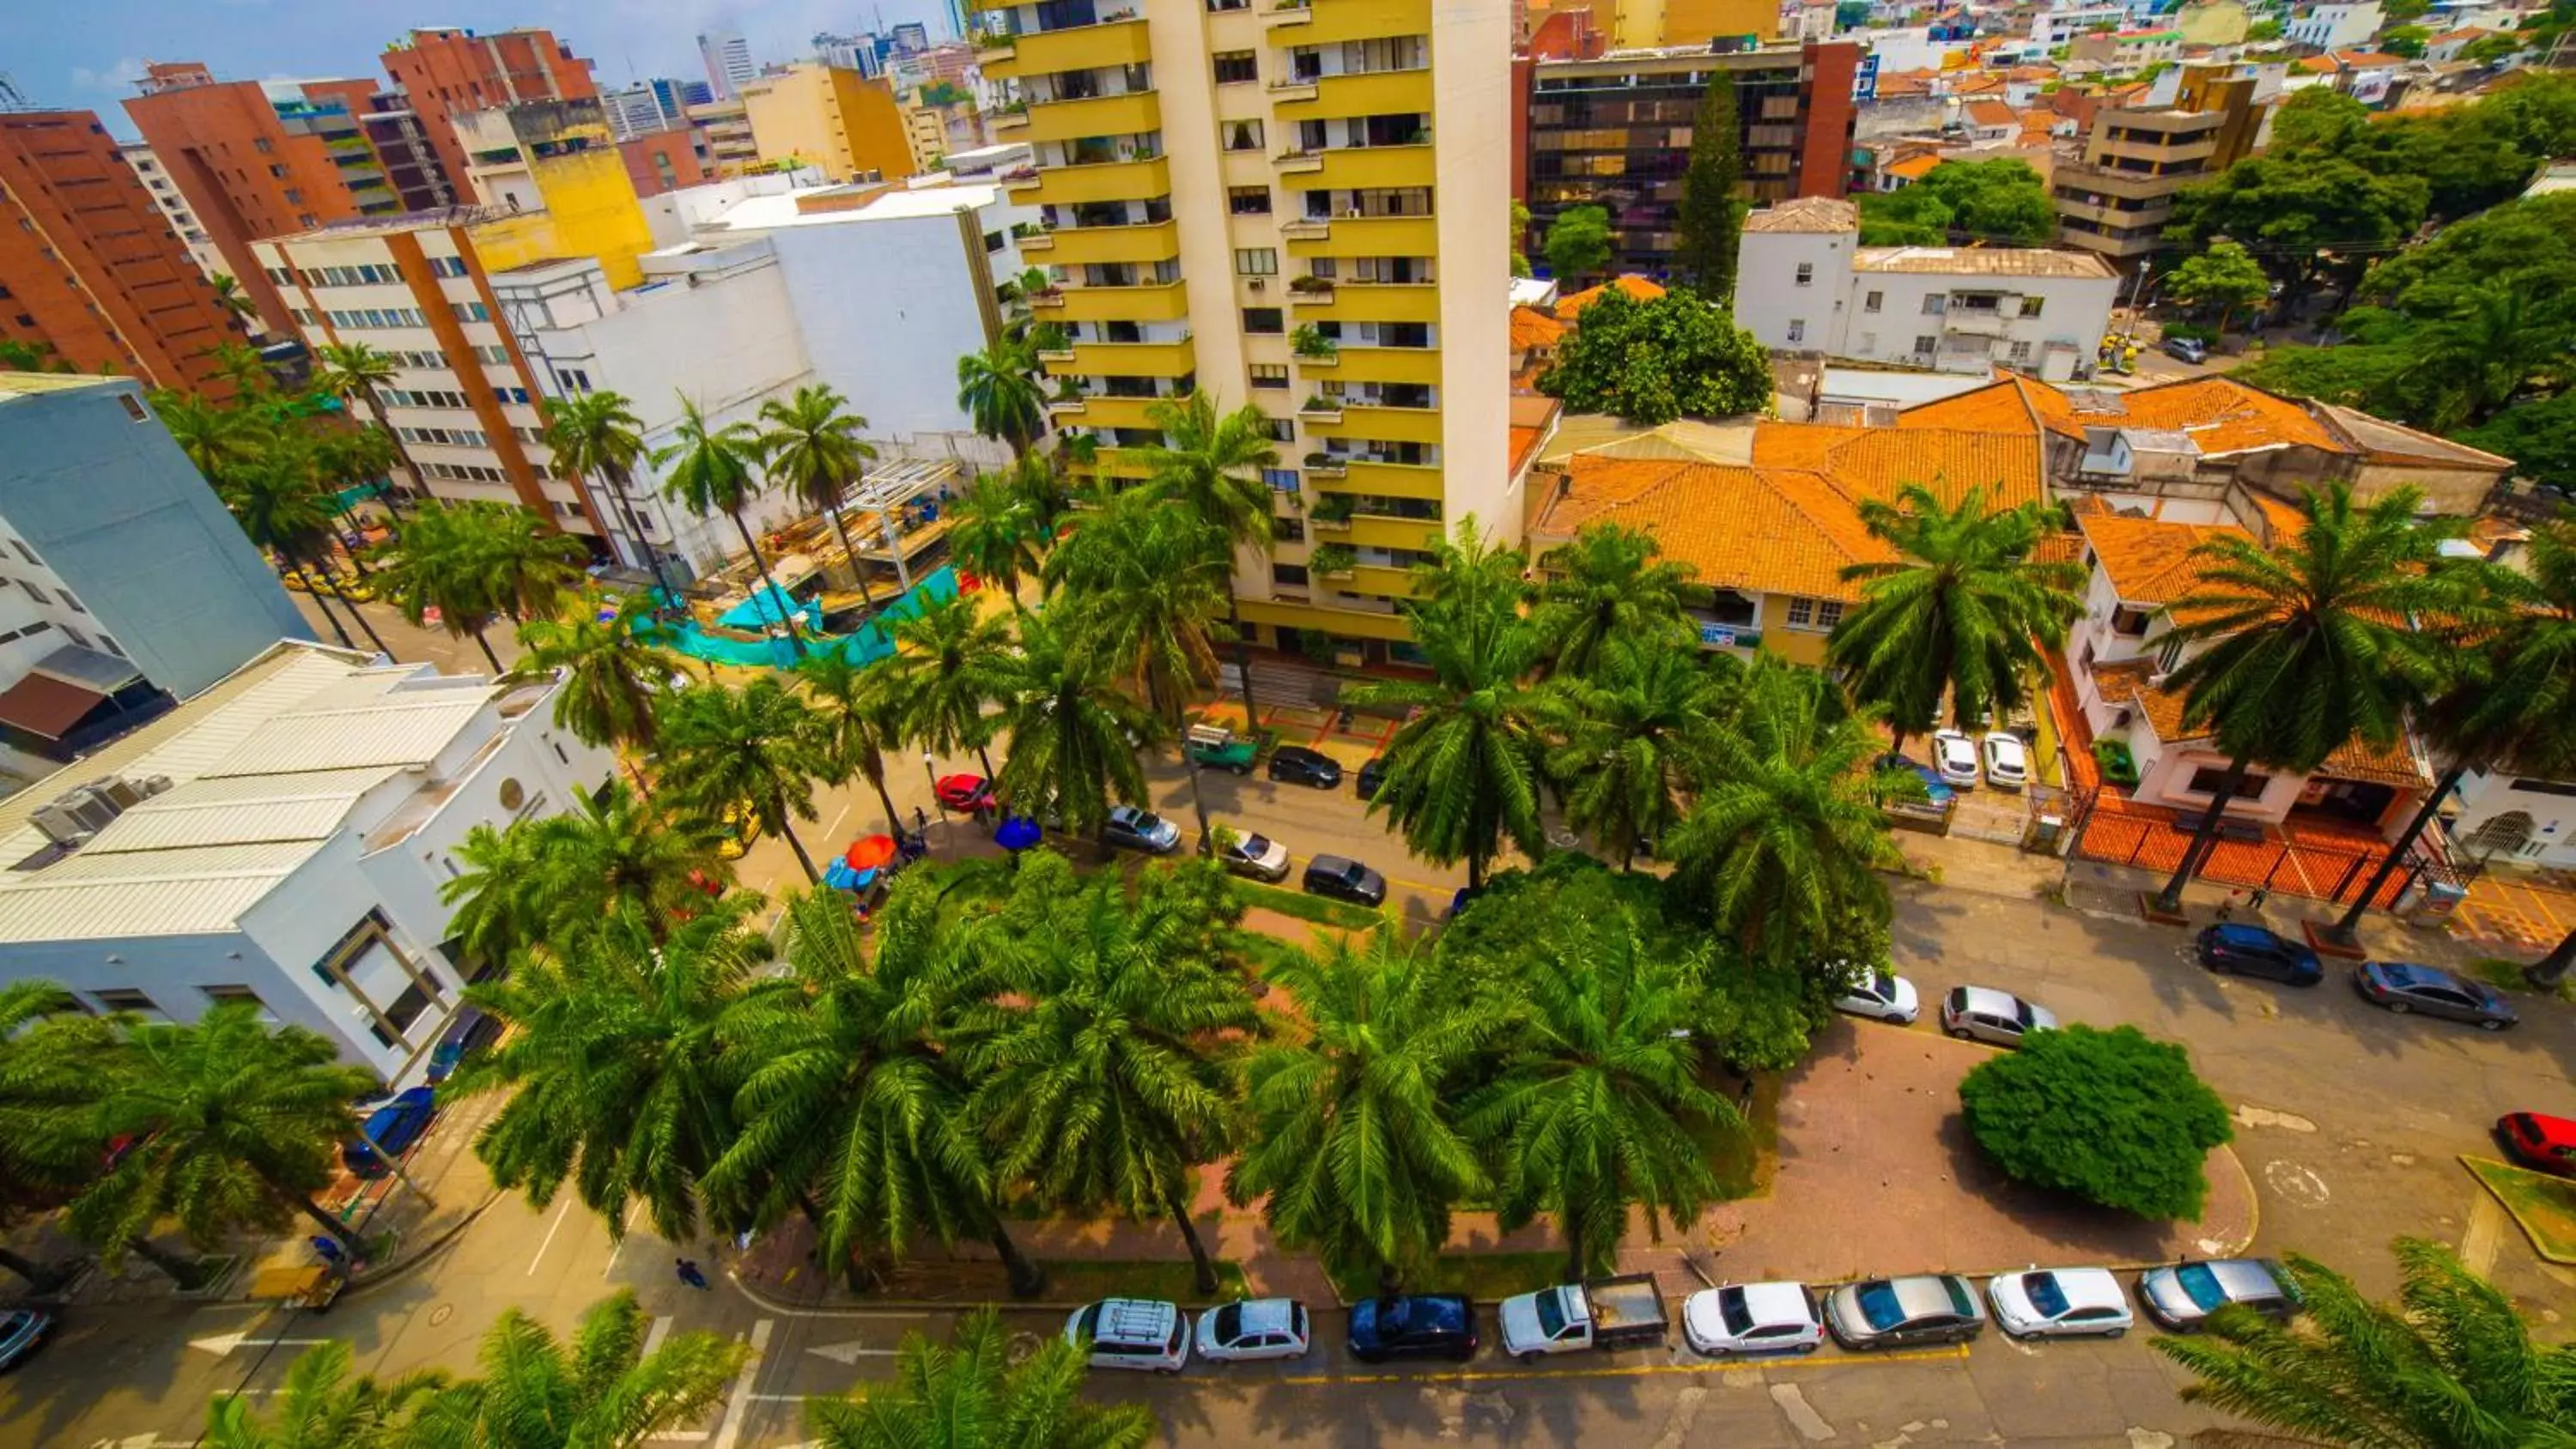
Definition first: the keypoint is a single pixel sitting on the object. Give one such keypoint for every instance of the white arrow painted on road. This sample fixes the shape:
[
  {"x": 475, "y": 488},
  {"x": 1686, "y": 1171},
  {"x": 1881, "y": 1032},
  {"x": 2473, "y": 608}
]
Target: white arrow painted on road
[
  {"x": 849, "y": 1353},
  {"x": 224, "y": 1343}
]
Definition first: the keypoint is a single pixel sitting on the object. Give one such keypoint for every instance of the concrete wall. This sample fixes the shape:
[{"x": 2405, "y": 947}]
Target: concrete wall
[
  {"x": 1768, "y": 297},
  {"x": 117, "y": 514},
  {"x": 1471, "y": 131},
  {"x": 2545, "y": 834}
]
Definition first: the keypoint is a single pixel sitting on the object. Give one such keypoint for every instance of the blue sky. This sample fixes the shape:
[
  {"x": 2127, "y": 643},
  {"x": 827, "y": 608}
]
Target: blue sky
[{"x": 83, "y": 54}]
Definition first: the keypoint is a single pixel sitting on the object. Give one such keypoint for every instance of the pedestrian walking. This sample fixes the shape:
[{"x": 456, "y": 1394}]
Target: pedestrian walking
[
  {"x": 2254, "y": 902},
  {"x": 2227, "y": 907},
  {"x": 690, "y": 1275}
]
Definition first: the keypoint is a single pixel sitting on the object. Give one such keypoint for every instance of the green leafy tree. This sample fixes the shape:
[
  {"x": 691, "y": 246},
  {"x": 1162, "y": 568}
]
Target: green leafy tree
[
  {"x": 598, "y": 435},
  {"x": 1071, "y": 731},
  {"x": 1611, "y": 583},
  {"x": 1598, "y": 1105},
  {"x": 713, "y": 471},
  {"x": 2539, "y": 436},
  {"x": 2306, "y": 644},
  {"x": 1462, "y": 771},
  {"x": 2379, "y": 378},
  {"x": 1709, "y": 217},
  {"x": 469, "y": 561},
  {"x": 1962, "y": 612},
  {"x": 2299, "y": 206},
  {"x": 614, "y": 670},
  {"x": 755, "y": 748},
  {"x": 1093, "y": 1066},
  {"x": 2497, "y": 338},
  {"x": 601, "y": 1390},
  {"x": 2226, "y": 276},
  {"x": 1148, "y": 585},
  {"x": 323, "y": 1407},
  {"x": 2109, "y": 1116},
  {"x": 2001, "y": 202},
  {"x": 1520, "y": 238},
  {"x": 1910, "y": 216},
  {"x": 998, "y": 389},
  {"x": 1578, "y": 243},
  {"x": 947, "y": 667},
  {"x": 2450, "y": 1364},
  {"x": 1624, "y": 742},
  {"x": 2488, "y": 49},
  {"x": 976, "y": 1393},
  {"x": 1652, "y": 362},
  {"x": 1355, "y": 1148},
  {"x": 811, "y": 444},
  {"x": 2263, "y": 30},
  {"x": 2404, "y": 40},
  {"x": 857, "y": 717}
]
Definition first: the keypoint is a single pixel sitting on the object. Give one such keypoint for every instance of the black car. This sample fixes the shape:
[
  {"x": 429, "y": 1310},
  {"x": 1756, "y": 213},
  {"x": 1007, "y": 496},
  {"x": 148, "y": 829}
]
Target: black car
[
  {"x": 1345, "y": 879},
  {"x": 1301, "y": 766},
  {"x": 1419, "y": 1325},
  {"x": 1372, "y": 775},
  {"x": 2232, "y": 949}
]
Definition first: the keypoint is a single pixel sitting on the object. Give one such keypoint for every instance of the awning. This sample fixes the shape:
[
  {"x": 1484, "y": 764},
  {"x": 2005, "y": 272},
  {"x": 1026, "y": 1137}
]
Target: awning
[
  {"x": 47, "y": 707},
  {"x": 91, "y": 669}
]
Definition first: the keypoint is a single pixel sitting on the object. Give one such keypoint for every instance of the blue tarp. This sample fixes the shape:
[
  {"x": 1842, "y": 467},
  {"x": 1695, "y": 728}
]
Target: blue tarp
[{"x": 872, "y": 642}]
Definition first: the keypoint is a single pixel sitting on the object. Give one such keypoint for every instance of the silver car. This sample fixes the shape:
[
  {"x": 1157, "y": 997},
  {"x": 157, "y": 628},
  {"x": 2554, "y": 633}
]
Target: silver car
[
  {"x": 2184, "y": 1295},
  {"x": 1981, "y": 1013},
  {"x": 1142, "y": 830},
  {"x": 1887, "y": 1312},
  {"x": 1257, "y": 856}
]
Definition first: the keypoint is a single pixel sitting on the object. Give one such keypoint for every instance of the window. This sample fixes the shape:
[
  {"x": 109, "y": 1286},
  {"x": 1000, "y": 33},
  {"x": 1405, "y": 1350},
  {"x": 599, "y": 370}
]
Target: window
[
  {"x": 1873, "y": 301},
  {"x": 1269, "y": 374},
  {"x": 1256, "y": 262},
  {"x": 1818, "y": 614},
  {"x": 221, "y": 995},
  {"x": 1933, "y": 305},
  {"x": 2030, "y": 305},
  {"x": 470, "y": 311},
  {"x": 992, "y": 241},
  {"x": 2020, "y": 352},
  {"x": 407, "y": 1007},
  {"x": 1806, "y": 273},
  {"x": 1288, "y": 530},
  {"x": 1243, "y": 135},
  {"x": 262, "y": 145},
  {"x": 133, "y": 406},
  {"x": 1927, "y": 345},
  {"x": 2207, "y": 779},
  {"x": 1266, "y": 321},
  {"x": 1233, "y": 67},
  {"x": 2130, "y": 621},
  {"x": 75, "y": 603},
  {"x": 75, "y": 636},
  {"x": 1798, "y": 329},
  {"x": 1216, "y": 5},
  {"x": 1281, "y": 430},
  {"x": 37, "y": 594},
  {"x": 122, "y": 998},
  {"x": 1288, "y": 573},
  {"x": 1283, "y": 480},
  {"x": 1248, "y": 200}
]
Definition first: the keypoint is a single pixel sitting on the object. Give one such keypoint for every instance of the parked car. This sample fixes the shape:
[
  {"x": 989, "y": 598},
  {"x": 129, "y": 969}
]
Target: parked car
[
  {"x": 1220, "y": 748},
  {"x": 1883, "y": 997},
  {"x": 1888, "y": 1312},
  {"x": 2007, "y": 760},
  {"x": 2187, "y": 349},
  {"x": 1256, "y": 1329},
  {"x": 1955, "y": 756},
  {"x": 22, "y": 1332},
  {"x": 1624, "y": 1312},
  {"x": 1372, "y": 775},
  {"x": 2059, "y": 1303},
  {"x": 1345, "y": 879},
  {"x": 2231, "y": 948},
  {"x": 1142, "y": 830},
  {"x": 2547, "y": 1144},
  {"x": 1753, "y": 1318},
  {"x": 469, "y": 1032},
  {"x": 2403, "y": 988},
  {"x": 1298, "y": 765},
  {"x": 1131, "y": 1333},
  {"x": 2184, "y": 1295},
  {"x": 390, "y": 1132},
  {"x": 965, "y": 794},
  {"x": 1257, "y": 856},
  {"x": 1981, "y": 1013},
  {"x": 1416, "y": 1325},
  {"x": 1936, "y": 791}
]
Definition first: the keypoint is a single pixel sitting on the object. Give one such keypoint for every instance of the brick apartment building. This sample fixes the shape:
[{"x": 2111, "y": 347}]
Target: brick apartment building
[{"x": 447, "y": 73}]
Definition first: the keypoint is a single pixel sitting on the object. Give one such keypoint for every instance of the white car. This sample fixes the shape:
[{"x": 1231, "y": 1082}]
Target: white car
[
  {"x": 2007, "y": 761},
  {"x": 1132, "y": 1333},
  {"x": 1955, "y": 756},
  {"x": 1882, "y": 997},
  {"x": 1753, "y": 1318},
  {"x": 2059, "y": 1303},
  {"x": 1256, "y": 1329},
  {"x": 1256, "y": 855}
]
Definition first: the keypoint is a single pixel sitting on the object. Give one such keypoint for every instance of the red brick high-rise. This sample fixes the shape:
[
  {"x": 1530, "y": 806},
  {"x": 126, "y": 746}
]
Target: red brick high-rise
[
  {"x": 448, "y": 73},
  {"x": 89, "y": 267}
]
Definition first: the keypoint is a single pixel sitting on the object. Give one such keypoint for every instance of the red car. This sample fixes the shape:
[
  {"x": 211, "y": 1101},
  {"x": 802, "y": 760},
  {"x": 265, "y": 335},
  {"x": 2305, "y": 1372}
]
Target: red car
[
  {"x": 2545, "y": 1143},
  {"x": 965, "y": 794}
]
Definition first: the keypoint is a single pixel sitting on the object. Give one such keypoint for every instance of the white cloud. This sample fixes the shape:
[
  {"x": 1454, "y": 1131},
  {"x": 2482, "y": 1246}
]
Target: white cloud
[{"x": 116, "y": 79}]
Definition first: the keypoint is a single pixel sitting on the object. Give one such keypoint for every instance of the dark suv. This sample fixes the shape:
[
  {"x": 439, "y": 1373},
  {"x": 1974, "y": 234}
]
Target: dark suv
[
  {"x": 2234, "y": 950},
  {"x": 1301, "y": 766},
  {"x": 1421, "y": 1325},
  {"x": 1345, "y": 879}
]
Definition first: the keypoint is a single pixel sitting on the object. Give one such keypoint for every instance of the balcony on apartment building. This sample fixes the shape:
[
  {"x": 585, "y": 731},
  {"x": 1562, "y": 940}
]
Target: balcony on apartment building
[
  {"x": 1370, "y": 352},
  {"x": 1393, "y": 222},
  {"x": 1359, "y": 153},
  {"x": 1335, "y": 22},
  {"x": 1107, "y": 231},
  {"x": 1371, "y": 77},
  {"x": 1065, "y": 35},
  {"x": 1071, "y": 105},
  {"x": 1124, "y": 167}
]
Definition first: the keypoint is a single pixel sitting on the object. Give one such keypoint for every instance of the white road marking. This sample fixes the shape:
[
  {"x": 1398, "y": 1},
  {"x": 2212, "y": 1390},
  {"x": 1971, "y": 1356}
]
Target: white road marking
[
  {"x": 849, "y": 1353},
  {"x": 550, "y": 1235},
  {"x": 224, "y": 1343},
  {"x": 619, "y": 1246},
  {"x": 1802, "y": 1416},
  {"x": 654, "y": 1335},
  {"x": 729, "y": 1429},
  {"x": 2478, "y": 1241}
]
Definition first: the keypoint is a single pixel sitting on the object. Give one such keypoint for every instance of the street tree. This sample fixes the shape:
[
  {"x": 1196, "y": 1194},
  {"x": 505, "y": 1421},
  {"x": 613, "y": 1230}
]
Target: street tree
[
  {"x": 1626, "y": 745},
  {"x": 810, "y": 443},
  {"x": 714, "y": 470},
  {"x": 1710, "y": 216},
  {"x": 1148, "y": 587},
  {"x": 947, "y": 666},
  {"x": 2109, "y": 1116},
  {"x": 609, "y": 1387},
  {"x": 2224, "y": 276},
  {"x": 598, "y": 435},
  {"x": 1212, "y": 465},
  {"x": 614, "y": 670},
  {"x": 858, "y": 716},
  {"x": 1610, "y": 584},
  {"x": 2001, "y": 202},
  {"x": 756, "y": 749},
  {"x": 1651, "y": 362},
  {"x": 1071, "y": 731},
  {"x": 993, "y": 534},
  {"x": 322, "y": 1406},
  {"x": 977, "y": 1392},
  {"x": 998, "y": 389}
]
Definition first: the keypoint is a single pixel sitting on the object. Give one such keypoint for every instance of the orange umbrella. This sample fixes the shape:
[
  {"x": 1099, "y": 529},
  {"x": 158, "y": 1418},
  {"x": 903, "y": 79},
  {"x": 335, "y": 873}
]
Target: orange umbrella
[{"x": 869, "y": 852}]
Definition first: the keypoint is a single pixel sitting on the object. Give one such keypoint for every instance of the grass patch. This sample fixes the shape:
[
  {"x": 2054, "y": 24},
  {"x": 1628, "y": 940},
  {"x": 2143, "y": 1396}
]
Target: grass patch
[
  {"x": 2543, "y": 1206},
  {"x": 1083, "y": 1280},
  {"x": 1485, "y": 1277},
  {"x": 1321, "y": 910},
  {"x": 2506, "y": 975}
]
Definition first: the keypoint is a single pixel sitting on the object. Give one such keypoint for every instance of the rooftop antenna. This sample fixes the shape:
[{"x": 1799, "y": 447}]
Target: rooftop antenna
[{"x": 11, "y": 98}]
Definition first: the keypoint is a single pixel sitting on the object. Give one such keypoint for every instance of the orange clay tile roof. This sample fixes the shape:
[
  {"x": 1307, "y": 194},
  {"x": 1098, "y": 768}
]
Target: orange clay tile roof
[
  {"x": 2318, "y": 65},
  {"x": 2354, "y": 760},
  {"x": 1798, "y": 445},
  {"x": 2056, "y": 547},
  {"x": 2218, "y": 414},
  {"x": 1977, "y": 85},
  {"x": 1879, "y": 462},
  {"x": 2148, "y": 559},
  {"x": 1524, "y": 441},
  {"x": 1769, "y": 530},
  {"x": 1635, "y": 286},
  {"x": 1991, "y": 113},
  {"x": 1534, "y": 328},
  {"x": 1913, "y": 168}
]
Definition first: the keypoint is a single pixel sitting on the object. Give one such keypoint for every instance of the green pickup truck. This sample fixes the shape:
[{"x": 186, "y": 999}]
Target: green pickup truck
[{"x": 1222, "y": 748}]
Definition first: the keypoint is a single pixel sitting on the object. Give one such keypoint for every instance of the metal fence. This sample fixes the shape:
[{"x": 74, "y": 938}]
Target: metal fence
[{"x": 2110, "y": 828}]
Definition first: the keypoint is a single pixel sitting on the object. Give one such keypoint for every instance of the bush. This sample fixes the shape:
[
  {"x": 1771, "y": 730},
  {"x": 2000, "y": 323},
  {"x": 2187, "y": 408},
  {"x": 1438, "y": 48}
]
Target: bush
[
  {"x": 2109, "y": 1116},
  {"x": 2191, "y": 332}
]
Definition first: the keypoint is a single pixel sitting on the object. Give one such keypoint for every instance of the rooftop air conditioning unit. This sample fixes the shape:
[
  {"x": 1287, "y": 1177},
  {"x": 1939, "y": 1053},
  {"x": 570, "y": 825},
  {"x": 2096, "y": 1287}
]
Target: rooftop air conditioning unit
[
  {"x": 125, "y": 794},
  {"x": 61, "y": 826},
  {"x": 91, "y": 806}
]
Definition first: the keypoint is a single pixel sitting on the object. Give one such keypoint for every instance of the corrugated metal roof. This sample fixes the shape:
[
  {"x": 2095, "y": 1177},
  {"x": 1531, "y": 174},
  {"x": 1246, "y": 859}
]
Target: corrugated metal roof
[
  {"x": 392, "y": 734},
  {"x": 106, "y": 910}
]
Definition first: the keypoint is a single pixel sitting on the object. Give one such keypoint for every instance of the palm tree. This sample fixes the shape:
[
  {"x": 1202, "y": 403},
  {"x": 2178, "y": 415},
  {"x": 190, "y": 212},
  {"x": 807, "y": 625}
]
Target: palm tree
[
  {"x": 714, "y": 473},
  {"x": 613, "y": 672},
  {"x": 444, "y": 561},
  {"x": 354, "y": 372},
  {"x": 614, "y": 849},
  {"x": 1145, "y": 586},
  {"x": 1212, "y": 465},
  {"x": 1462, "y": 772},
  {"x": 232, "y": 1123},
  {"x": 850, "y": 1108},
  {"x": 500, "y": 895},
  {"x": 534, "y": 566},
  {"x": 1071, "y": 731},
  {"x": 858, "y": 715},
  {"x": 1785, "y": 837},
  {"x": 972, "y": 1395},
  {"x": 347, "y": 458},
  {"x": 242, "y": 367},
  {"x": 230, "y": 296},
  {"x": 751, "y": 748},
  {"x": 1597, "y": 1109},
  {"x": 1000, "y": 394},
  {"x": 49, "y": 1050},
  {"x": 615, "y": 1077},
  {"x": 1354, "y": 1145},
  {"x": 2511, "y": 691},
  {"x": 1607, "y": 585},
  {"x": 602, "y": 1390},
  {"x": 993, "y": 535},
  {"x": 279, "y": 506},
  {"x": 1627, "y": 734},
  {"x": 216, "y": 439},
  {"x": 2310, "y": 645},
  {"x": 1963, "y": 610},
  {"x": 1091, "y": 1068},
  {"x": 947, "y": 666},
  {"x": 2451, "y": 1364},
  {"x": 598, "y": 435},
  {"x": 2496, "y": 338},
  {"x": 322, "y": 1407},
  {"x": 1040, "y": 486},
  {"x": 812, "y": 445}
]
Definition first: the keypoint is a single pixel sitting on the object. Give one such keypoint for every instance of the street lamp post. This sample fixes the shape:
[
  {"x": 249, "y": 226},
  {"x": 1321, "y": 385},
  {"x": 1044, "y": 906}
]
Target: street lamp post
[
  {"x": 930, "y": 772},
  {"x": 1198, "y": 804}
]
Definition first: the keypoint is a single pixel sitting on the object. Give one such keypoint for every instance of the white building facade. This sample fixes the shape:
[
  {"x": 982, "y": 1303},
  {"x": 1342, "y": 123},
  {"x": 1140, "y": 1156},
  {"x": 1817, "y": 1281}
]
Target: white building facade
[
  {"x": 2060, "y": 23},
  {"x": 2509, "y": 819},
  {"x": 728, "y": 60},
  {"x": 174, "y": 205},
  {"x": 2335, "y": 27}
]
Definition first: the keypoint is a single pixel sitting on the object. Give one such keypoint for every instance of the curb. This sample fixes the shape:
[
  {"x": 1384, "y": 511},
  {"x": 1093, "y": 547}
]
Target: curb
[
  {"x": 403, "y": 1265},
  {"x": 874, "y": 1306}
]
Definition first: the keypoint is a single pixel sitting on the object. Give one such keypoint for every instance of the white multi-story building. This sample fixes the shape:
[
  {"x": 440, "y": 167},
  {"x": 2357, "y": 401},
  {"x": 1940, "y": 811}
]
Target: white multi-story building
[
  {"x": 1804, "y": 283},
  {"x": 174, "y": 205},
  {"x": 282, "y": 838},
  {"x": 729, "y": 63},
  {"x": 2063, "y": 20},
  {"x": 2335, "y": 26}
]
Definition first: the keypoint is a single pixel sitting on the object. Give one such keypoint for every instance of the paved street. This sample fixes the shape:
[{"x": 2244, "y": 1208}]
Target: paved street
[{"x": 2350, "y": 1125}]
